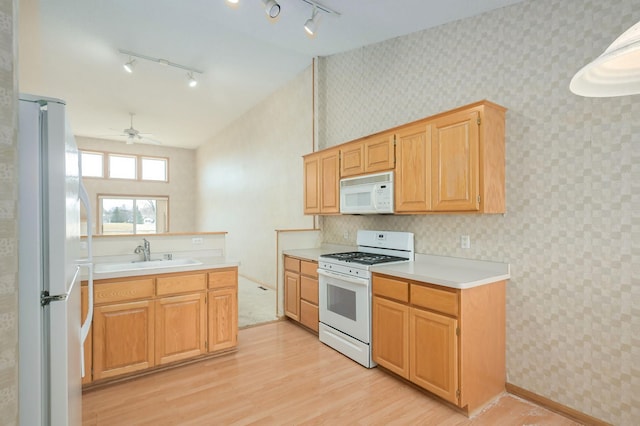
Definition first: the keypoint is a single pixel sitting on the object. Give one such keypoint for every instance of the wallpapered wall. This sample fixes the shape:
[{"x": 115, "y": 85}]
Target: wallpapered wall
[
  {"x": 180, "y": 189},
  {"x": 572, "y": 228},
  {"x": 250, "y": 177},
  {"x": 8, "y": 218}
]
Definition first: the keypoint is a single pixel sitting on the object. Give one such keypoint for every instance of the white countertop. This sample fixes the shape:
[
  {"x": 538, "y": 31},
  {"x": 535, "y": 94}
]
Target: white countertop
[
  {"x": 212, "y": 262},
  {"x": 451, "y": 272}
]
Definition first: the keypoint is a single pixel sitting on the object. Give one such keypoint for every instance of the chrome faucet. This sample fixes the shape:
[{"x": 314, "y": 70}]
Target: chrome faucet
[{"x": 144, "y": 249}]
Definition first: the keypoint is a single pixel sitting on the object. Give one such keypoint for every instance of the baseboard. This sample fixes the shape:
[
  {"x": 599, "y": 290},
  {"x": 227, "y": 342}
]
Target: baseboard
[{"x": 555, "y": 406}]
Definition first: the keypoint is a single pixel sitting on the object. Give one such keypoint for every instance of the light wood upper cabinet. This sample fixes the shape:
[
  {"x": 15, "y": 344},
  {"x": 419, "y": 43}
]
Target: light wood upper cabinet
[
  {"x": 464, "y": 162},
  {"x": 412, "y": 181},
  {"x": 455, "y": 170},
  {"x": 322, "y": 182},
  {"x": 180, "y": 327},
  {"x": 368, "y": 155},
  {"x": 352, "y": 158}
]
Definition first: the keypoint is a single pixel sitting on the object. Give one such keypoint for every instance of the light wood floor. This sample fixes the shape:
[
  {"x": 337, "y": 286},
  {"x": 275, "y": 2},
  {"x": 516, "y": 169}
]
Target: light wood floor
[{"x": 282, "y": 375}]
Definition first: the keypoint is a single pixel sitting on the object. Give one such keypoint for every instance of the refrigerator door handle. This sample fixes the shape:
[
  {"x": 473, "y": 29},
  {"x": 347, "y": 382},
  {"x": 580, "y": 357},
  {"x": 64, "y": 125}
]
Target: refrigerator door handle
[{"x": 87, "y": 263}]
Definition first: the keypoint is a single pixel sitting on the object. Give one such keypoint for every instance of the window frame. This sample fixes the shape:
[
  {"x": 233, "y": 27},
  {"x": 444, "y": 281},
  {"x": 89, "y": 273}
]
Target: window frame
[
  {"x": 138, "y": 162},
  {"x": 134, "y": 199}
]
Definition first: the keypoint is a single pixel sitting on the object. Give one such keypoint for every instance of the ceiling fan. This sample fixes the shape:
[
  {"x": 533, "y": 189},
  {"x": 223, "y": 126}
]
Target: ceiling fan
[{"x": 134, "y": 135}]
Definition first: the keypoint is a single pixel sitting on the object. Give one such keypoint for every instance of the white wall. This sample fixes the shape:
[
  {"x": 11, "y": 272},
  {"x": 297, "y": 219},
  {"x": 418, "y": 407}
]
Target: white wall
[
  {"x": 180, "y": 189},
  {"x": 250, "y": 177},
  {"x": 572, "y": 228}
]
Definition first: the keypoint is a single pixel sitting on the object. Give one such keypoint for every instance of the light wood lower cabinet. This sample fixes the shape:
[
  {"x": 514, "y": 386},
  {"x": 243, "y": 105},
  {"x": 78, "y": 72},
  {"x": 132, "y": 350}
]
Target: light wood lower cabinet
[
  {"x": 144, "y": 322},
  {"x": 223, "y": 318},
  {"x": 123, "y": 338},
  {"x": 180, "y": 327},
  {"x": 448, "y": 341},
  {"x": 223, "y": 309},
  {"x": 301, "y": 291}
]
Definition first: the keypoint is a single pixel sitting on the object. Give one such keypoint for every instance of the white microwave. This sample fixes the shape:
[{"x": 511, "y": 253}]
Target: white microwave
[{"x": 368, "y": 194}]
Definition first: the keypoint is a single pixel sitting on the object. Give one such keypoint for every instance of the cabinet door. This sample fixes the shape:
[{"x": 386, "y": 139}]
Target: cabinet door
[
  {"x": 123, "y": 338},
  {"x": 312, "y": 184},
  {"x": 413, "y": 178},
  {"x": 180, "y": 327},
  {"x": 434, "y": 353},
  {"x": 379, "y": 153},
  {"x": 455, "y": 164},
  {"x": 223, "y": 318},
  {"x": 352, "y": 159},
  {"x": 309, "y": 315},
  {"x": 390, "y": 327},
  {"x": 292, "y": 295},
  {"x": 330, "y": 182},
  {"x": 88, "y": 344}
]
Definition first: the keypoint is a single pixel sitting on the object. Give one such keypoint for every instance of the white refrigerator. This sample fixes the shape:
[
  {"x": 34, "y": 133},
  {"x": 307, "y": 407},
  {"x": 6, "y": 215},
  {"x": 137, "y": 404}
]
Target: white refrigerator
[{"x": 50, "y": 265}]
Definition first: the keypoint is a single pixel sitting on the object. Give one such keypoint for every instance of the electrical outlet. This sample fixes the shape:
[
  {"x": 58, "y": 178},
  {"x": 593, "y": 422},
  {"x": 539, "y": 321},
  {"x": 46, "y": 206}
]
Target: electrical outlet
[
  {"x": 196, "y": 240},
  {"x": 345, "y": 235},
  {"x": 465, "y": 242},
  {"x": 83, "y": 245}
]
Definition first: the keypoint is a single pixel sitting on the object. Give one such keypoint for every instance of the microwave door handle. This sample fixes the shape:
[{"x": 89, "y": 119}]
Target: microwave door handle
[{"x": 345, "y": 278}]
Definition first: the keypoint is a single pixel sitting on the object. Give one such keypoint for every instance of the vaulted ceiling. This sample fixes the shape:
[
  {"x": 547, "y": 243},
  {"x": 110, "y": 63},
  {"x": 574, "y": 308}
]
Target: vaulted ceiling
[{"x": 70, "y": 50}]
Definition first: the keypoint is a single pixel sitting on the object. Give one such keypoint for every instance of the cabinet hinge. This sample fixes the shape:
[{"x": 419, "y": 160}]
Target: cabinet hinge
[
  {"x": 458, "y": 393},
  {"x": 457, "y": 331},
  {"x": 478, "y": 199},
  {"x": 478, "y": 121}
]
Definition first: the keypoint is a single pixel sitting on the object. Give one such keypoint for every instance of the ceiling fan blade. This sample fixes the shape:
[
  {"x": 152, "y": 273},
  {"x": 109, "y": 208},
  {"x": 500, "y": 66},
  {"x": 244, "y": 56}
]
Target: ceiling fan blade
[{"x": 150, "y": 141}]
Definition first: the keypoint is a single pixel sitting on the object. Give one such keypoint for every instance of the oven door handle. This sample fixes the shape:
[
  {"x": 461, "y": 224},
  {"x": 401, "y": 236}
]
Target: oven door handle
[{"x": 345, "y": 278}]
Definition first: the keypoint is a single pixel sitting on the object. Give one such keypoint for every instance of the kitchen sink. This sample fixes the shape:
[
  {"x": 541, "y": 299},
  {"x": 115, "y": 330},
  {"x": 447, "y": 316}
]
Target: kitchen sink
[{"x": 137, "y": 265}]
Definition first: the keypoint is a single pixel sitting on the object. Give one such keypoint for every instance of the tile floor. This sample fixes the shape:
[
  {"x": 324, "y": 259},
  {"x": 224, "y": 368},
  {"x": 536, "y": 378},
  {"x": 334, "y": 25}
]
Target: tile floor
[{"x": 256, "y": 303}]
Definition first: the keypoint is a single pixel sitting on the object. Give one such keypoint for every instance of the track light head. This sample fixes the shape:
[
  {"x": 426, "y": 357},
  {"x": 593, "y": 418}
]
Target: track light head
[
  {"x": 192, "y": 81},
  {"x": 311, "y": 26},
  {"x": 271, "y": 8},
  {"x": 129, "y": 66}
]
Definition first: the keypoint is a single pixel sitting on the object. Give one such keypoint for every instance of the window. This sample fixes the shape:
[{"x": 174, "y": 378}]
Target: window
[
  {"x": 154, "y": 169},
  {"x": 122, "y": 167},
  {"x": 92, "y": 164},
  {"x": 132, "y": 215}
]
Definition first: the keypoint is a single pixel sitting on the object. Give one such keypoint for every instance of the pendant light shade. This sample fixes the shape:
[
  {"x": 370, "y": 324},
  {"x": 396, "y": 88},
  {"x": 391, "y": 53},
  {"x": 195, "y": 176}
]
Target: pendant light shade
[{"x": 614, "y": 73}]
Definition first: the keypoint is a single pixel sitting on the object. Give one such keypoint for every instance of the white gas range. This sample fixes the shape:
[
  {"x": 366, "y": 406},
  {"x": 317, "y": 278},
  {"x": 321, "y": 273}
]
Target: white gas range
[{"x": 345, "y": 290}]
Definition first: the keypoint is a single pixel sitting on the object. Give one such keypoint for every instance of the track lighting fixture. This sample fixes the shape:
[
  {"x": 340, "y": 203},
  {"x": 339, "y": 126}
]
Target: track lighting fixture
[
  {"x": 192, "y": 81},
  {"x": 272, "y": 8},
  {"x": 312, "y": 23},
  {"x": 128, "y": 66},
  {"x": 232, "y": 2}
]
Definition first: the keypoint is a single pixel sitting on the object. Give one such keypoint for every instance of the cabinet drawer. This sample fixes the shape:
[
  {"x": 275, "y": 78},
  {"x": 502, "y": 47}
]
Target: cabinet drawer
[
  {"x": 438, "y": 300},
  {"x": 309, "y": 289},
  {"x": 309, "y": 315},
  {"x": 181, "y": 284},
  {"x": 309, "y": 268},
  {"x": 291, "y": 264},
  {"x": 393, "y": 289},
  {"x": 227, "y": 277},
  {"x": 122, "y": 291}
]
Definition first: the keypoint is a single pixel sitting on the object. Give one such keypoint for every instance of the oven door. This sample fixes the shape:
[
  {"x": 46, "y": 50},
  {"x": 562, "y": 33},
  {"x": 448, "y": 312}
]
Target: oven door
[{"x": 345, "y": 304}]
